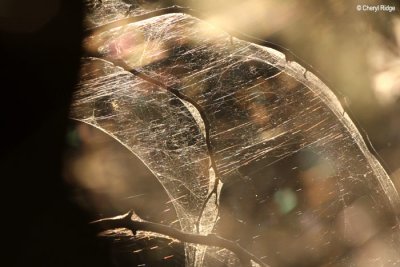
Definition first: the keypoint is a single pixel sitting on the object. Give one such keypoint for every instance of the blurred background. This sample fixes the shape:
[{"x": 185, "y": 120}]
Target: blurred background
[{"x": 357, "y": 54}]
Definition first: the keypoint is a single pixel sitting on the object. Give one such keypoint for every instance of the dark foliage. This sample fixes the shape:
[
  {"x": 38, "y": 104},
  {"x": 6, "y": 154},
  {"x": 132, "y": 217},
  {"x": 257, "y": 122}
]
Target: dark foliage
[{"x": 39, "y": 70}]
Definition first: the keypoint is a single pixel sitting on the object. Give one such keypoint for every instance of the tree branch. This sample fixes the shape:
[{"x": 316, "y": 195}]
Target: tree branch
[
  {"x": 200, "y": 110},
  {"x": 125, "y": 221},
  {"x": 187, "y": 10},
  {"x": 207, "y": 129}
]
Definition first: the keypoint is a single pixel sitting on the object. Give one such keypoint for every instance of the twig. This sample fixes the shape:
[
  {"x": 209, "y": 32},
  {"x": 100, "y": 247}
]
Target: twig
[
  {"x": 125, "y": 221},
  {"x": 187, "y": 10},
  {"x": 289, "y": 55},
  {"x": 207, "y": 127},
  {"x": 135, "y": 18},
  {"x": 200, "y": 110}
]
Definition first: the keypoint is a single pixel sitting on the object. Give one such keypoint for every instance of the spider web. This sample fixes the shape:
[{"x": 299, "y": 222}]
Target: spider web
[{"x": 269, "y": 122}]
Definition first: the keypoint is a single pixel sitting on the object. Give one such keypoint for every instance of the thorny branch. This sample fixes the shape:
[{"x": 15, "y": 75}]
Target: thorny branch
[
  {"x": 199, "y": 109},
  {"x": 185, "y": 10},
  {"x": 207, "y": 127},
  {"x": 125, "y": 221}
]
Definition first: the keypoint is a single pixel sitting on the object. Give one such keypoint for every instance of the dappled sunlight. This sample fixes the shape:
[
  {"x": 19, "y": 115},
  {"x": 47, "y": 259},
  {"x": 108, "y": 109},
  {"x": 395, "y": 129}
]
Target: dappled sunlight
[{"x": 196, "y": 128}]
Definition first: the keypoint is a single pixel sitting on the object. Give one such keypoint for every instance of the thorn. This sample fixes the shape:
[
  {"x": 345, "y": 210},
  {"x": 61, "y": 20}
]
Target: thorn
[{"x": 127, "y": 217}]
